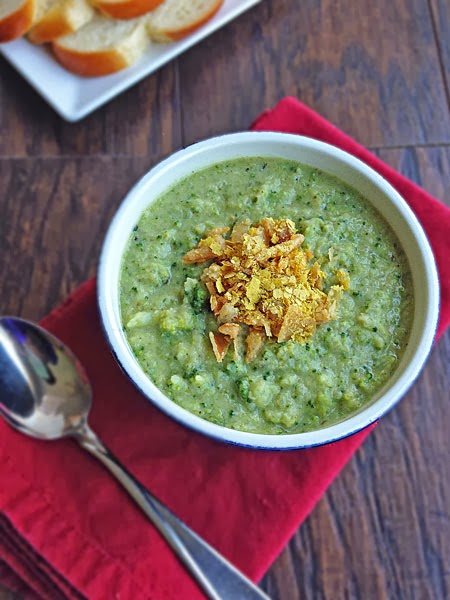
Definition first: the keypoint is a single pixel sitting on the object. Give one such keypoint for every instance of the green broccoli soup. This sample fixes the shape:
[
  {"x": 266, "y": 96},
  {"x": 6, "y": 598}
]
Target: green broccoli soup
[{"x": 265, "y": 296}]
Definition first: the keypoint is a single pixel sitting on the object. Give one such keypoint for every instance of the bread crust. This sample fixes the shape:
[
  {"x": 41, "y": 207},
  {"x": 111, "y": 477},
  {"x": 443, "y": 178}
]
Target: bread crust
[
  {"x": 92, "y": 64},
  {"x": 168, "y": 35},
  {"x": 127, "y": 9},
  {"x": 64, "y": 18},
  {"x": 17, "y": 23},
  {"x": 51, "y": 27}
]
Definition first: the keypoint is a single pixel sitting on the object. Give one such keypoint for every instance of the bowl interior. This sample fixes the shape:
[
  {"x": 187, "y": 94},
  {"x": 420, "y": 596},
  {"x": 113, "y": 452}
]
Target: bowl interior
[{"x": 331, "y": 160}]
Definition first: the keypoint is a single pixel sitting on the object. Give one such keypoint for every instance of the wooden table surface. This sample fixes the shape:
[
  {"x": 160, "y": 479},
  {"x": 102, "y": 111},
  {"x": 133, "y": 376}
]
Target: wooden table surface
[{"x": 378, "y": 70}]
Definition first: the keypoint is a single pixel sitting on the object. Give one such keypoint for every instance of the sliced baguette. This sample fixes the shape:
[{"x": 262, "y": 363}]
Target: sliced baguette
[
  {"x": 56, "y": 18},
  {"x": 102, "y": 46},
  {"x": 175, "y": 19},
  {"x": 126, "y": 9},
  {"x": 16, "y": 17}
]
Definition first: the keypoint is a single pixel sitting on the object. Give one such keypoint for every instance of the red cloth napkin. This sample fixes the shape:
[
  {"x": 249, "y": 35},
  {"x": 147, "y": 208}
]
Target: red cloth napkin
[{"x": 67, "y": 530}]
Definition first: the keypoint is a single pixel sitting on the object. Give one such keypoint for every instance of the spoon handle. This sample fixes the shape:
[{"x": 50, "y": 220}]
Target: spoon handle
[{"x": 218, "y": 578}]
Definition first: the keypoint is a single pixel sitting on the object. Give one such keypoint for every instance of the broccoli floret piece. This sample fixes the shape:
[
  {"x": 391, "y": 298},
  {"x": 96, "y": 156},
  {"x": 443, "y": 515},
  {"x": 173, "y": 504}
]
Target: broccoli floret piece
[
  {"x": 196, "y": 294},
  {"x": 244, "y": 387}
]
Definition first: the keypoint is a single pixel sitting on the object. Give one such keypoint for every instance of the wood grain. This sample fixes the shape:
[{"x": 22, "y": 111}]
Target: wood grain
[
  {"x": 7, "y": 594},
  {"x": 441, "y": 16},
  {"x": 370, "y": 67},
  {"x": 143, "y": 121},
  {"x": 54, "y": 217},
  {"x": 382, "y": 530},
  {"x": 379, "y": 71}
]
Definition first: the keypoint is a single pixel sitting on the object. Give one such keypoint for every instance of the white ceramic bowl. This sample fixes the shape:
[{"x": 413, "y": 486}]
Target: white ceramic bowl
[{"x": 317, "y": 154}]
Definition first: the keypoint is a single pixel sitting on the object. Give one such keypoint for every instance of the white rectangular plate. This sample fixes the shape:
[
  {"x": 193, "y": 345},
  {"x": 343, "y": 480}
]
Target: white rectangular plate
[{"x": 74, "y": 97}]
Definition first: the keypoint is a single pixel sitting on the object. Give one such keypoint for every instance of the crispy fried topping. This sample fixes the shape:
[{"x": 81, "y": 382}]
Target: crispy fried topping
[
  {"x": 212, "y": 246},
  {"x": 260, "y": 277},
  {"x": 219, "y": 343},
  {"x": 227, "y": 313},
  {"x": 231, "y": 329},
  {"x": 254, "y": 342},
  {"x": 344, "y": 278}
]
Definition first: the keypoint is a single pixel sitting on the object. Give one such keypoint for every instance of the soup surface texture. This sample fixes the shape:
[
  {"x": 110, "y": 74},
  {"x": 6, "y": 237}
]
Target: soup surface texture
[{"x": 290, "y": 387}]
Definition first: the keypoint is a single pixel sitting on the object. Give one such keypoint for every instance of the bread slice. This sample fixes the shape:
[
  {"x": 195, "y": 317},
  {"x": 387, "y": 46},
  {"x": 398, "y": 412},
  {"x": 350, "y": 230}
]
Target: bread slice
[
  {"x": 16, "y": 17},
  {"x": 126, "y": 9},
  {"x": 102, "y": 46},
  {"x": 175, "y": 19},
  {"x": 55, "y": 18}
]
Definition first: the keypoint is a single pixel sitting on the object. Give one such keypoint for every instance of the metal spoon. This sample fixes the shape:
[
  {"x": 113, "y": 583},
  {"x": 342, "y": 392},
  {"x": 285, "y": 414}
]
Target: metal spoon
[{"x": 44, "y": 392}]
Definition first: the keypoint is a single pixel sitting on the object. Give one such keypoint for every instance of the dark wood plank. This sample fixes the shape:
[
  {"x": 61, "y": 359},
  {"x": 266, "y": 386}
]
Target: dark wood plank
[
  {"x": 428, "y": 167},
  {"x": 382, "y": 530},
  {"x": 54, "y": 217},
  {"x": 7, "y": 595},
  {"x": 441, "y": 14},
  {"x": 370, "y": 67},
  {"x": 143, "y": 121}
]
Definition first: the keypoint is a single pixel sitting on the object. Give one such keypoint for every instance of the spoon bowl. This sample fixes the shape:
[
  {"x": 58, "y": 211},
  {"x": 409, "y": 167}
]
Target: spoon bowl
[{"x": 45, "y": 391}]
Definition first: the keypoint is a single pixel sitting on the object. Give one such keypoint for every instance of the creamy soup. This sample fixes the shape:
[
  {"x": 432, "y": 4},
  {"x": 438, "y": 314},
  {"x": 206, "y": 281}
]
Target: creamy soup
[{"x": 293, "y": 386}]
